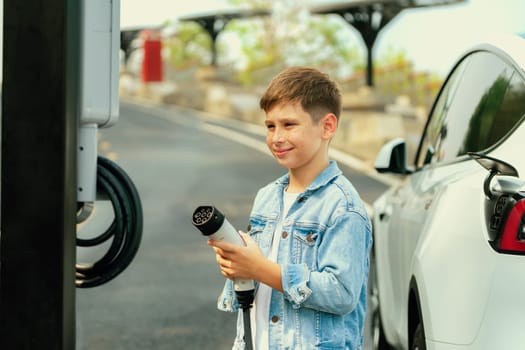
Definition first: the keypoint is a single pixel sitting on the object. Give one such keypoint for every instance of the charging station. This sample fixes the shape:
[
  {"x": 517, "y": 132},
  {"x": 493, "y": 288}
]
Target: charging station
[{"x": 100, "y": 179}]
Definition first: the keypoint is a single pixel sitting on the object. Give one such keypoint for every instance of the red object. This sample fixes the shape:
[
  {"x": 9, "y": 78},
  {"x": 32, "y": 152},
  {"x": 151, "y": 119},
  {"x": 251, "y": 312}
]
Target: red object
[
  {"x": 511, "y": 240},
  {"x": 152, "y": 62}
]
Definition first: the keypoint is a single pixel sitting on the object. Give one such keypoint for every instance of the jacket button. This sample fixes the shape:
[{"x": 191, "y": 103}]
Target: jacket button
[
  {"x": 249, "y": 228},
  {"x": 284, "y": 234},
  {"x": 309, "y": 238},
  {"x": 275, "y": 319}
]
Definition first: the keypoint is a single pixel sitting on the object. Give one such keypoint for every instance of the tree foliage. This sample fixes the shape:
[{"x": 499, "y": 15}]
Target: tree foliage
[
  {"x": 189, "y": 46},
  {"x": 290, "y": 36}
]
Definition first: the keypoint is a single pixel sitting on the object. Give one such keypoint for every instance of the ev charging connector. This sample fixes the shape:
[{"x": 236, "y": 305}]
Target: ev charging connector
[{"x": 212, "y": 223}]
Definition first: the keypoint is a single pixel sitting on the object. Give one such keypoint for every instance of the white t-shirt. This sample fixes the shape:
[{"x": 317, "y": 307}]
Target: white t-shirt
[{"x": 261, "y": 306}]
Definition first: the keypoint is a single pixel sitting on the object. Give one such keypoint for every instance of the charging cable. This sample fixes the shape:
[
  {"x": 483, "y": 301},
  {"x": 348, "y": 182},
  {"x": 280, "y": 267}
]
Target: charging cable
[
  {"x": 125, "y": 229},
  {"x": 212, "y": 223}
]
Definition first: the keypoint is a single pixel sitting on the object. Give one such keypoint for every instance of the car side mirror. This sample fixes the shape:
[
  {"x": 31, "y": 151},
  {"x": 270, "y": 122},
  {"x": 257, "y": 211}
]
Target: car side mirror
[{"x": 392, "y": 158}]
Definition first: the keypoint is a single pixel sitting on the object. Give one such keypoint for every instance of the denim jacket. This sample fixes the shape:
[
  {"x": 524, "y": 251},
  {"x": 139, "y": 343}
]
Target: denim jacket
[{"x": 324, "y": 257}]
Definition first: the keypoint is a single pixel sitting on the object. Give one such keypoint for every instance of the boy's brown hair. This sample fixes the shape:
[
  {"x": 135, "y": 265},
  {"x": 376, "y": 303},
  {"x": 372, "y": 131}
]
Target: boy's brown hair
[{"x": 313, "y": 89}]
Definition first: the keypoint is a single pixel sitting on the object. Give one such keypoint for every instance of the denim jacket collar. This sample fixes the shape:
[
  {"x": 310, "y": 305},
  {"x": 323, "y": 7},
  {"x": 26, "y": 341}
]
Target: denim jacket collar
[{"x": 326, "y": 176}]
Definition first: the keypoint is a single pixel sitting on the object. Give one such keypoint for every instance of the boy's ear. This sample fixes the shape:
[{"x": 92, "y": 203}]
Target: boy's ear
[{"x": 329, "y": 125}]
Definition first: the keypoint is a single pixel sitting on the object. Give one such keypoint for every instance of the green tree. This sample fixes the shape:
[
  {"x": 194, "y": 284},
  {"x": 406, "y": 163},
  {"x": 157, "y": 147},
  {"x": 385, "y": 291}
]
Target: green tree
[
  {"x": 291, "y": 36},
  {"x": 188, "y": 46}
]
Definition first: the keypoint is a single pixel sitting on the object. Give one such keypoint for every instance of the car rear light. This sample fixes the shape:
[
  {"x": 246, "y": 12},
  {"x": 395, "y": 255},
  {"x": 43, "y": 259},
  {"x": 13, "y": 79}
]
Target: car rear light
[{"x": 512, "y": 239}]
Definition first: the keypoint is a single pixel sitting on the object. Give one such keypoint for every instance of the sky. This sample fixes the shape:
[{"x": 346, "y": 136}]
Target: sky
[{"x": 431, "y": 38}]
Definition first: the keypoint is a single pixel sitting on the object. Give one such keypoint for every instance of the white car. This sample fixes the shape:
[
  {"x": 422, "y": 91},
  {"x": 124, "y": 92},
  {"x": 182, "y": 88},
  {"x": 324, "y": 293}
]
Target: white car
[{"x": 448, "y": 267}]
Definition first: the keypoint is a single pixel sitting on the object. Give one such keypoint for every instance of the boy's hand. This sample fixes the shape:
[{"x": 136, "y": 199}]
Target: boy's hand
[
  {"x": 238, "y": 261},
  {"x": 246, "y": 262}
]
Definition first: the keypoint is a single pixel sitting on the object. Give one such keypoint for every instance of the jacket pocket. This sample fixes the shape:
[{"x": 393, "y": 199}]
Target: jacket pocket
[{"x": 305, "y": 242}]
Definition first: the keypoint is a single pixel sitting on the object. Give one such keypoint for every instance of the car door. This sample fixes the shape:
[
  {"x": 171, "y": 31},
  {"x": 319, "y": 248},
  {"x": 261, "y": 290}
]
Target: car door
[{"x": 405, "y": 208}]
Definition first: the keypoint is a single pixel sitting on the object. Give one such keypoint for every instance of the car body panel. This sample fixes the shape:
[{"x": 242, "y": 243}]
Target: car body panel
[{"x": 453, "y": 303}]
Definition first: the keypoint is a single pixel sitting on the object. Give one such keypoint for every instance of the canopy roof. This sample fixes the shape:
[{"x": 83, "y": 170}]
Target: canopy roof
[
  {"x": 337, "y": 7},
  {"x": 214, "y": 22},
  {"x": 369, "y": 17},
  {"x": 225, "y": 15}
]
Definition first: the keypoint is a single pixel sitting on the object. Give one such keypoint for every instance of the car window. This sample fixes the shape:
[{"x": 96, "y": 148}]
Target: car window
[
  {"x": 511, "y": 111},
  {"x": 479, "y": 109},
  {"x": 431, "y": 135},
  {"x": 498, "y": 111}
]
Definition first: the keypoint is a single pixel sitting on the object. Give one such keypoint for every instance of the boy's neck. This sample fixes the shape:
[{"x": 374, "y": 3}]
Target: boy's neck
[{"x": 302, "y": 177}]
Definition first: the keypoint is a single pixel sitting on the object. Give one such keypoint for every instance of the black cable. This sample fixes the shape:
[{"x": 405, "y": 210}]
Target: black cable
[
  {"x": 125, "y": 230},
  {"x": 247, "y": 329},
  {"x": 245, "y": 299}
]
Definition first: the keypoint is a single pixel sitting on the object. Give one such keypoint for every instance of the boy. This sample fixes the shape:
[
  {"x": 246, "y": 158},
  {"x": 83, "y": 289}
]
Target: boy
[{"x": 309, "y": 234}]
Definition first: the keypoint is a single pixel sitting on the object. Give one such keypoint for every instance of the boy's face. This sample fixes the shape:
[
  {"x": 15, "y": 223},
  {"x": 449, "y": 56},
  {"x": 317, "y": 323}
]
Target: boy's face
[{"x": 295, "y": 140}]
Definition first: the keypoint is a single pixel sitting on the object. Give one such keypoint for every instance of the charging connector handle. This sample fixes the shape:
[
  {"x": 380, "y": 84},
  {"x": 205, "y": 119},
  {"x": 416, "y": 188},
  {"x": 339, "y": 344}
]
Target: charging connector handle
[{"x": 212, "y": 223}]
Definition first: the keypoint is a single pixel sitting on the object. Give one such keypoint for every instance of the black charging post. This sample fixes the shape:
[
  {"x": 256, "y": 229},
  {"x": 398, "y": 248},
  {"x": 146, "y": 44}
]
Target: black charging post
[{"x": 38, "y": 214}]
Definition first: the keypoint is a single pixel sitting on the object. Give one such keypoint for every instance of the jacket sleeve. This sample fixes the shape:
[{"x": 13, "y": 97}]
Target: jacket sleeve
[{"x": 227, "y": 300}]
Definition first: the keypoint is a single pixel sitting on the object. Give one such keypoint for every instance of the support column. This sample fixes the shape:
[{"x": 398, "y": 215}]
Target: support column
[{"x": 38, "y": 196}]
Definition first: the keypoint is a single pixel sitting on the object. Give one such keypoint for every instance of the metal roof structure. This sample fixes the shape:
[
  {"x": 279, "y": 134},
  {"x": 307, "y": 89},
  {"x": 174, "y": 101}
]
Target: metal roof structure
[
  {"x": 214, "y": 23},
  {"x": 369, "y": 17}
]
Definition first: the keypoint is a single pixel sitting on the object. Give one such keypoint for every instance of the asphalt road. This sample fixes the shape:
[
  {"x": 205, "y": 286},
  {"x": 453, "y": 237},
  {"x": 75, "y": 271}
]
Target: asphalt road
[{"x": 178, "y": 160}]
